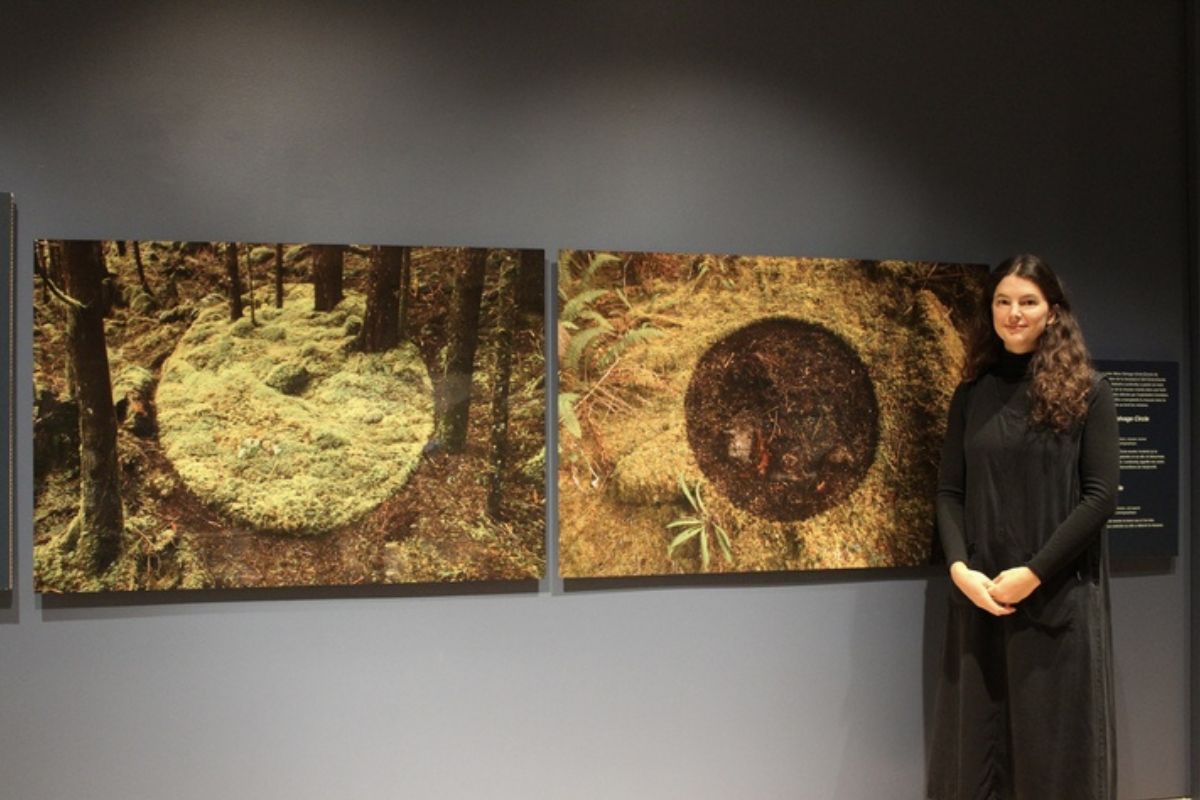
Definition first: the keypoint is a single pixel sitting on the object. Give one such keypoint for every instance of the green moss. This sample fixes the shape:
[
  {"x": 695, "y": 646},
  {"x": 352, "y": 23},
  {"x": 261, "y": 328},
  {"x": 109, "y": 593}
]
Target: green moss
[
  {"x": 212, "y": 299},
  {"x": 142, "y": 303},
  {"x": 534, "y": 467},
  {"x": 329, "y": 441},
  {"x": 243, "y": 327},
  {"x": 132, "y": 380},
  {"x": 151, "y": 557},
  {"x": 303, "y": 462},
  {"x": 332, "y": 319},
  {"x": 293, "y": 253},
  {"x": 289, "y": 378},
  {"x": 647, "y": 473}
]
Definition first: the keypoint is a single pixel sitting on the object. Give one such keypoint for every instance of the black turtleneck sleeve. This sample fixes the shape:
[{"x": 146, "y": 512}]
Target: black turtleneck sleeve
[
  {"x": 1099, "y": 477},
  {"x": 952, "y": 481}
]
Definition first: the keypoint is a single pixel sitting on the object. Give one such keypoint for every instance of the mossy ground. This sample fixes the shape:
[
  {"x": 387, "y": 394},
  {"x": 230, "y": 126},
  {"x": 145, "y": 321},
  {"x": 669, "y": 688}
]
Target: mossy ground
[
  {"x": 186, "y": 533},
  {"x": 619, "y": 482},
  {"x": 283, "y": 426}
]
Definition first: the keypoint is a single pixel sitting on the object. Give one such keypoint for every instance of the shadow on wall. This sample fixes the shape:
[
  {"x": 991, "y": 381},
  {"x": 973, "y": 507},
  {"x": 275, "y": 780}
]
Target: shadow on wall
[
  {"x": 117, "y": 605},
  {"x": 8, "y": 608}
]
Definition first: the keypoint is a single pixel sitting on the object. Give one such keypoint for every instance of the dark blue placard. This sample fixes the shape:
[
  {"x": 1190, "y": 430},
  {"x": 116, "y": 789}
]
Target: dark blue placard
[
  {"x": 1147, "y": 398},
  {"x": 7, "y": 277}
]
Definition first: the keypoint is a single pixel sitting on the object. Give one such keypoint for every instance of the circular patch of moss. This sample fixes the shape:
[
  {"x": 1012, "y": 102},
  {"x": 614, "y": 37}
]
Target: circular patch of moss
[
  {"x": 781, "y": 415},
  {"x": 304, "y": 460}
]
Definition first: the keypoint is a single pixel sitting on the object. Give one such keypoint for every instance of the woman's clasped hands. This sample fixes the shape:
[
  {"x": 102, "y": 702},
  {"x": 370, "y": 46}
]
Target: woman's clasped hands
[{"x": 999, "y": 595}]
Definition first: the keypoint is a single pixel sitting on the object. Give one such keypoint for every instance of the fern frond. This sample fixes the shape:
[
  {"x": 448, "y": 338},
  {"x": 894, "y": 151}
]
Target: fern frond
[
  {"x": 598, "y": 261},
  {"x": 636, "y": 377},
  {"x": 596, "y": 317},
  {"x": 626, "y": 340},
  {"x": 566, "y": 414},
  {"x": 579, "y": 343},
  {"x": 579, "y": 302},
  {"x": 566, "y": 283}
]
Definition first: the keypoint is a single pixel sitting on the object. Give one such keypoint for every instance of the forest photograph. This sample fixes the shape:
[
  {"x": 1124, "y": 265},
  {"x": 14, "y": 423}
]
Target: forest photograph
[
  {"x": 213, "y": 415},
  {"x": 725, "y": 413},
  {"x": 8, "y": 220}
]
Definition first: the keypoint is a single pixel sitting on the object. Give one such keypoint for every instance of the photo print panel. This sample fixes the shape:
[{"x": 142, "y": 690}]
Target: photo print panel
[
  {"x": 8, "y": 221},
  {"x": 747, "y": 414},
  {"x": 214, "y": 415}
]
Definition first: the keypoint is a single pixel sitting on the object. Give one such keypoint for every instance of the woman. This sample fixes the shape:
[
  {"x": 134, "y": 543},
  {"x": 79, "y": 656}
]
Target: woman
[{"x": 1028, "y": 478}]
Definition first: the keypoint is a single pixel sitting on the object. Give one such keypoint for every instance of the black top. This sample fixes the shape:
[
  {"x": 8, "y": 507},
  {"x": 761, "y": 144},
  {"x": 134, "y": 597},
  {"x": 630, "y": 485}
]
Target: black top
[{"x": 1010, "y": 494}]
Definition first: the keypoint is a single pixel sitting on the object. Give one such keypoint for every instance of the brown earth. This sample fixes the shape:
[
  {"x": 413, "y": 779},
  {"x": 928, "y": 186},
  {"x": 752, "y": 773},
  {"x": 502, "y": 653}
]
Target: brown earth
[{"x": 781, "y": 416}]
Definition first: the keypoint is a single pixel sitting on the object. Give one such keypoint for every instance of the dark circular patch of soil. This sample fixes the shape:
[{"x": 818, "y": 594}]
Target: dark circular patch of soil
[{"x": 782, "y": 418}]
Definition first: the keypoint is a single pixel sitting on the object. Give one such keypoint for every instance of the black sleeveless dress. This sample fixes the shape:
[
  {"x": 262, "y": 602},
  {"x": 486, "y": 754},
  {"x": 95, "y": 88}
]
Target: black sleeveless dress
[{"x": 1024, "y": 707}]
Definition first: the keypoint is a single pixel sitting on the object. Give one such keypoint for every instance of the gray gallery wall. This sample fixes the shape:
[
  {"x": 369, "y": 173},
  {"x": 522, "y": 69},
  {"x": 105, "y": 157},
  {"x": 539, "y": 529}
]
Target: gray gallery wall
[{"x": 959, "y": 131}]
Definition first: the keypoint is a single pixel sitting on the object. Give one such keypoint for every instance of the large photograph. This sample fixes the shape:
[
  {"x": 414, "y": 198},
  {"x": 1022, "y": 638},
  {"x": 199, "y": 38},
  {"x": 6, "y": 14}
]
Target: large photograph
[
  {"x": 723, "y": 413},
  {"x": 8, "y": 219},
  {"x": 235, "y": 415}
]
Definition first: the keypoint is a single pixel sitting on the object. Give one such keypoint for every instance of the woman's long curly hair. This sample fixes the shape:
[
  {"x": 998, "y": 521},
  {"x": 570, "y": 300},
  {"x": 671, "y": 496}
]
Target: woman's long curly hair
[{"x": 1062, "y": 369}]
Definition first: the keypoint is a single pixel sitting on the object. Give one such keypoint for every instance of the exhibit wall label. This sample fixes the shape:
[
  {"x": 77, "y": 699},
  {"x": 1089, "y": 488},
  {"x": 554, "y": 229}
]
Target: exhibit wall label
[{"x": 1146, "y": 394}]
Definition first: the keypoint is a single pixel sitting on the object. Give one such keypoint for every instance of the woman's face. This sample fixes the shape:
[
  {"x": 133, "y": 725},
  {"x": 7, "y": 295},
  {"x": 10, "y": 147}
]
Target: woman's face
[{"x": 1020, "y": 313}]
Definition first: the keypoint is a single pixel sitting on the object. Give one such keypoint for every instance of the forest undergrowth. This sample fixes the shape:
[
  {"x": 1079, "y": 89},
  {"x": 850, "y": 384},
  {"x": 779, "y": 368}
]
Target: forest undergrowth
[{"x": 415, "y": 518}]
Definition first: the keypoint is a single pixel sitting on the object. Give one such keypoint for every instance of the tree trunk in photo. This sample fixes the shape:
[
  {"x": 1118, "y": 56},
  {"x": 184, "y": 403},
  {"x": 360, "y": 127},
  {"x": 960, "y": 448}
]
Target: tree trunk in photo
[
  {"x": 41, "y": 266},
  {"x": 235, "y": 282},
  {"x": 462, "y": 337},
  {"x": 405, "y": 294},
  {"x": 381, "y": 319},
  {"x": 101, "y": 520},
  {"x": 110, "y": 286},
  {"x": 137, "y": 260},
  {"x": 327, "y": 276},
  {"x": 54, "y": 262},
  {"x": 170, "y": 288},
  {"x": 47, "y": 256},
  {"x": 531, "y": 282},
  {"x": 279, "y": 276},
  {"x": 250, "y": 285},
  {"x": 506, "y": 323}
]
